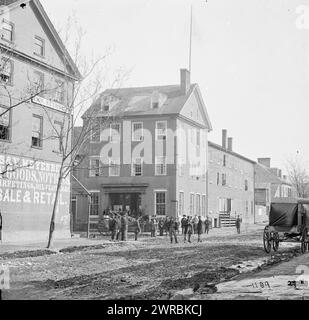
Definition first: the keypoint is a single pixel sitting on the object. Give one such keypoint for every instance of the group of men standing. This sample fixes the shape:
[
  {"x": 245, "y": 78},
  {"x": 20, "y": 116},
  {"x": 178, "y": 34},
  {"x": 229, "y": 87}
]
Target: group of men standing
[{"x": 190, "y": 226}]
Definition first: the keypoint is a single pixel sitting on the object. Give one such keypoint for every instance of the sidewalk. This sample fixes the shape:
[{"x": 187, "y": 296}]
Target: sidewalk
[{"x": 285, "y": 281}]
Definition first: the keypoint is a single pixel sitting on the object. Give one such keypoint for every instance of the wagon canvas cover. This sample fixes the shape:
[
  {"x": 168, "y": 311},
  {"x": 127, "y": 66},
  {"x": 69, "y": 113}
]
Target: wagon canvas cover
[{"x": 283, "y": 215}]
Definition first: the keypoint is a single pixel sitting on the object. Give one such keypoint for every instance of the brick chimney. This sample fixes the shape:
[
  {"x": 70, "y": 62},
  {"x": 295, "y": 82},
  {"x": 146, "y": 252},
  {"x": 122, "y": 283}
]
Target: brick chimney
[
  {"x": 230, "y": 144},
  {"x": 185, "y": 81},
  {"x": 224, "y": 138},
  {"x": 264, "y": 161}
]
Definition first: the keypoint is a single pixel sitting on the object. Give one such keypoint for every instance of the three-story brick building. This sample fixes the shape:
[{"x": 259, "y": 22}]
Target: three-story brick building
[
  {"x": 150, "y": 154},
  {"x": 231, "y": 182}
]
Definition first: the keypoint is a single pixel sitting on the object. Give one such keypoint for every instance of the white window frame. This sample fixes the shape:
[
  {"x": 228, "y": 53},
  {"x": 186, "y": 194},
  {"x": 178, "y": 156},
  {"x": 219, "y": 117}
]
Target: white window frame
[
  {"x": 12, "y": 31},
  {"x": 92, "y": 135},
  {"x": 112, "y": 137},
  {"x": 114, "y": 162},
  {"x": 159, "y": 135},
  {"x": 181, "y": 201},
  {"x": 198, "y": 204},
  {"x": 155, "y": 202},
  {"x": 96, "y": 171},
  {"x": 192, "y": 204},
  {"x": 42, "y": 53},
  {"x": 203, "y": 207},
  {"x": 133, "y": 171},
  {"x": 141, "y": 137},
  {"x": 163, "y": 164},
  {"x": 94, "y": 192}
]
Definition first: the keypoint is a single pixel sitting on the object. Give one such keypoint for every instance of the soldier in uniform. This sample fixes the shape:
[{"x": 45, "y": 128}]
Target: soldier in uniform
[
  {"x": 172, "y": 227},
  {"x": 161, "y": 227},
  {"x": 199, "y": 229},
  {"x": 183, "y": 221},
  {"x": 207, "y": 225},
  {"x": 238, "y": 223},
  {"x": 137, "y": 228},
  {"x": 124, "y": 227},
  {"x": 113, "y": 226},
  {"x": 190, "y": 229}
]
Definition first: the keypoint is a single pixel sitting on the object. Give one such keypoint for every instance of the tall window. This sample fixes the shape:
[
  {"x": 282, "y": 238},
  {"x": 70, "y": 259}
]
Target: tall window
[
  {"x": 204, "y": 205},
  {"x": 96, "y": 170},
  {"x": 37, "y": 131},
  {"x": 181, "y": 203},
  {"x": 115, "y": 132},
  {"x": 224, "y": 160},
  {"x": 192, "y": 204},
  {"x": 94, "y": 211},
  {"x": 160, "y": 166},
  {"x": 7, "y": 31},
  {"x": 198, "y": 204},
  {"x": 223, "y": 179},
  {"x": 160, "y": 203},
  {"x": 39, "y": 46},
  {"x": 114, "y": 167},
  {"x": 246, "y": 185},
  {"x": 247, "y": 207},
  {"x": 137, "y": 131},
  {"x": 137, "y": 167},
  {"x": 218, "y": 178},
  {"x": 6, "y": 71},
  {"x": 4, "y": 124},
  {"x": 161, "y": 130}
]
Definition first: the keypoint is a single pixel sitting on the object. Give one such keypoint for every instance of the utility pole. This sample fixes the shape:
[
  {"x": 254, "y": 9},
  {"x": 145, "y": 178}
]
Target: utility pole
[{"x": 190, "y": 49}]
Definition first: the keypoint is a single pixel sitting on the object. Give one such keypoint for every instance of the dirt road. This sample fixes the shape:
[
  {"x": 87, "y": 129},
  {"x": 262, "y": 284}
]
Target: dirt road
[{"x": 147, "y": 269}]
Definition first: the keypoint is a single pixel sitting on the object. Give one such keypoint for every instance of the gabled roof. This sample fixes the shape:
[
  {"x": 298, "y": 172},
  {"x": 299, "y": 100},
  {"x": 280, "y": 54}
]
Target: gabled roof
[
  {"x": 137, "y": 102},
  {"x": 264, "y": 175},
  {"x": 218, "y": 147},
  {"x": 60, "y": 47}
]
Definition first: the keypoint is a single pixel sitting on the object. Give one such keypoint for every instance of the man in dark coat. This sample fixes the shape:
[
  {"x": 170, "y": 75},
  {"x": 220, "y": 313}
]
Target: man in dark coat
[
  {"x": 185, "y": 228},
  {"x": 183, "y": 221},
  {"x": 118, "y": 227},
  {"x": 199, "y": 229},
  {"x": 207, "y": 225},
  {"x": 190, "y": 229},
  {"x": 161, "y": 227},
  {"x": 137, "y": 228},
  {"x": 124, "y": 227},
  {"x": 113, "y": 226},
  {"x": 238, "y": 223},
  {"x": 172, "y": 227}
]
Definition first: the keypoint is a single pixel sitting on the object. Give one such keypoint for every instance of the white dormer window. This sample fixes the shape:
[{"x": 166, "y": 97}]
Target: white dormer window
[{"x": 155, "y": 100}]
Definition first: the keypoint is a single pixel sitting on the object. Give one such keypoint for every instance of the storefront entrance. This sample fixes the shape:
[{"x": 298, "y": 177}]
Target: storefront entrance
[{"x": 126, "y": 202}]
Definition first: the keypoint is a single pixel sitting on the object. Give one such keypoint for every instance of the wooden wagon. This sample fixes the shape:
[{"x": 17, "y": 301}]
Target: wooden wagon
[{"x": 288, "y": 222}]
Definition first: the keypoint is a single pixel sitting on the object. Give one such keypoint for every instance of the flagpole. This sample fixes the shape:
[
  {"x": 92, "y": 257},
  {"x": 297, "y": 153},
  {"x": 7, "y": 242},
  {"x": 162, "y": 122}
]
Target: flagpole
[{"x": 190, "y": 49}]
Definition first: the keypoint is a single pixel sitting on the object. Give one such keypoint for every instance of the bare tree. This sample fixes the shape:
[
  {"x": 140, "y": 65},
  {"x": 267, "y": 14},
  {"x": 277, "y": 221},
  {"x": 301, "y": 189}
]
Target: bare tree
[
  {"x": 298, "y": 175},
  {"x": 85, "y": 93}
]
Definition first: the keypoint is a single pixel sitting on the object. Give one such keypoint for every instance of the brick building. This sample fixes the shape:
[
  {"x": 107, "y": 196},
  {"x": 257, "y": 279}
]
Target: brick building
[
  {"x": 150, "y": 154},
  {"x": 230, "y": 184},
  {"x": 37, "y": 72},
  {"x": 271, "y": 186}
]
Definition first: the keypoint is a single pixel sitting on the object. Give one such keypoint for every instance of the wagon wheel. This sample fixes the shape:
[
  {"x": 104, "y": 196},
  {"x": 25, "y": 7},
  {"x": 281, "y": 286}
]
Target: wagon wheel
[
  {"x": 304, "y": 241},
  {"x": 267, "y": 240},
  {"x": 276, "y": 241}
]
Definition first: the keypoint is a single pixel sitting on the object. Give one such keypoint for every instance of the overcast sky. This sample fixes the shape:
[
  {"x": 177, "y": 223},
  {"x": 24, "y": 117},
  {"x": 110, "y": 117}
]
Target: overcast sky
[{"x": 250, "y": 59}]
